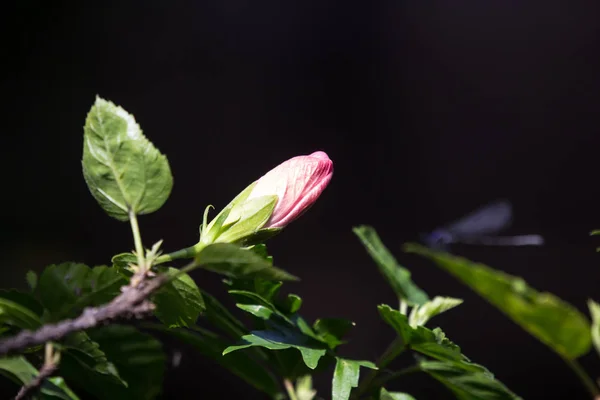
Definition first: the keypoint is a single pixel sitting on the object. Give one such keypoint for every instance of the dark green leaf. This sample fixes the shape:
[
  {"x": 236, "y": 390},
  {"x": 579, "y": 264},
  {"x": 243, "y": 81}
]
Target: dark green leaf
[
  {"x": 472, "y": 379},
  {"x": 332, "y": 330},
  {"x": 66, "y": 289},
  {"x": 121, "y": 263},
  {"x": 385, "y": 395},
  {"x": 20, "y": 310},
  {"x": 179, "y": 302},
  {"x": 419, "y": 315},
  {"x": 21, "y": 372},
  {"x": 397, "y": 276},
  {"x": 310, "y": 349},
  {"x": 239, "y": 363},
  {"x": 595, "y": 330},
  {"x": 32, "y": 279},
  {"x": 345, "y": 377},
  {"x": 251, "y": 298},
  {"x": 261, "y": 250},
  {"x": 466, "y": 381},
  {"x": 122, "y": 169},
  {"x": 552, "y": 321},
  {"x": 235, "y": 262},
  {"x": 220, "y": 317}
]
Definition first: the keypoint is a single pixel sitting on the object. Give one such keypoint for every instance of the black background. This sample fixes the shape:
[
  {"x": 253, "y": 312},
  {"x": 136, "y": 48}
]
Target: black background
[{"x": 428, "y": 110}]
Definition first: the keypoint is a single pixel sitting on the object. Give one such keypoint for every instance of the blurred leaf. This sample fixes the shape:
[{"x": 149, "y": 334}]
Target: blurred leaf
[
  {"x": 20, "y": 310},
  {"x": 32, "y": 279},
  {"x": 122, "y": 261},
  {"x": 473, "y": 380},
  {"x": 21, "y": 372},
  {"x": 304, "y": 388},
  {"x": 239, "y": 363},
  {"x": 122, "y": 169},
  {"x": 397, "y": 276},
  {"x": 552, "y": 321},
  {"x": 332, "y": 330},
  {"x": 467, "y": 381},
  {"x": 385, "y": 395},
  {"x": 345, "y": 377},
  {"x": 419, "y": 315},
  {"x": 261, "y": 250},
  {"x": 595, "y": 330},
  {"x": 220, "y": 317},
  {"x": 179, "y": 302},
  {"x": 235, "y": 262},
  {"x": 310, "y": 349},
  {"x": 66, "y": 289}
]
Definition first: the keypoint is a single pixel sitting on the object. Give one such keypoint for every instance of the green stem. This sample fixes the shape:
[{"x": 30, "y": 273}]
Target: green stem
[
  {"x": 392, "y": 351},
  {"x": 289, "y": 387},
  {"x": 583, "y": 376},
  {"x": 188, "y": 252},
  {"x": 384, "y": 379},
  {"x": 137, "y": 238}
]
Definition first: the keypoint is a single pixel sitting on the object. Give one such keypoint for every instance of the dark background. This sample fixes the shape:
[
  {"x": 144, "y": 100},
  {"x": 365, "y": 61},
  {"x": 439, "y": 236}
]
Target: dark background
[{"x": 428, "y": 110}]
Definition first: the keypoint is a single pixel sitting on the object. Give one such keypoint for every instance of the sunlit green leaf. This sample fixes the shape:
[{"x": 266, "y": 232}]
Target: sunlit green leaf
[
  {"x": 122, "y": 169},
  {"x": 66, "y": 289},
  {"x": 385, "y": 395},
  {"x": 345, "y": 377},
  {"x": 550, "y": 319},
  {"x": 397, "y": 276},
  {"x": 235, "y": 262},
  {"x": 250, "y": 216},
  {"x": 419, "y": 315},
  {"x": 595, "y": 330},
  {"x": 304, "y": 388},
  {"x": 179, "y": 302}
]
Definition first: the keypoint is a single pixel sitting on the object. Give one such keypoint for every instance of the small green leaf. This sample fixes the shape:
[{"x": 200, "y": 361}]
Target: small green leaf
[
  {"x": 345, "y": 377},
  {"x": 122, "y": 169},
  {"x": 293, "y": 302},
  {"x": 385, "y": 395},
  {"x": 332, "y": 330},
  {"x": 179, "y": 302},
  {"x": 20, "y": 310},
  {"x": 21, "y": 372},
  {"x": 311, "y": 350},
  {"x": 397, "y": 276},
  {"x": 235, "y": 262},
  {"x": 66, "y": 289},
  {"x": 32, "y": 279},
  {"x": 419, "y": 315},
  {"x": 551, "y": 320},
  {"x": 241, "y": 364},
  {"x": 467, "y": 381},
  {"x": 595, "y": 330},
  {"x": 304, "y": 388},
  {"x": 256, "y": 310}
]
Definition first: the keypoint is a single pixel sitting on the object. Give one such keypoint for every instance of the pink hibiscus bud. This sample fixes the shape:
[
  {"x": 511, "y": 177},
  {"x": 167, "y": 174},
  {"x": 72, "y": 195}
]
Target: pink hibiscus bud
[{"x": 298, "y": 183}]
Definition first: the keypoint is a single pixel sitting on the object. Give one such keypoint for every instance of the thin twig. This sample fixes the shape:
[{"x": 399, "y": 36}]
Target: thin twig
[
  {"x": 132, "y": 302},
  {"x": 32, "y": 387}
]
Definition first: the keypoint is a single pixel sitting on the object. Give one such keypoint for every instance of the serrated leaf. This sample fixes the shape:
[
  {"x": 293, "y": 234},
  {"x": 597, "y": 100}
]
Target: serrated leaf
[
  {"x": 385, "y": 395},
  {"x": 311, "y": 350},
  {"x": 345, "y": 377},
  {"x": 551, "y": 320},
  {"x": 239, "y": 363},
  {"x": 419, "y": 315},
  {"x": 66, "y": 289},
  {"x": 472, "y": 379},
  {"x": 397, "y": 276},
  {"x": 466, "y": 382},
  {"x": 21, "y": 372},
  {"x": 123, "y": 169},
  {"x": 179, "y": 302},
  {"x": 235, "y": 262},
  {"x": 20, "y": 310},
  {"x": 595, "y": 329}
]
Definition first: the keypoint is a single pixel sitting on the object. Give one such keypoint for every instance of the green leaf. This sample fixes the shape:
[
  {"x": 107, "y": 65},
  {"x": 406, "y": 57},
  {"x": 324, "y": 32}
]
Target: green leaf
[
  {"x": 32, "y": 279},
  {"x": 419, "y": 315},
  {"x": 292, "y": 303},
  {"x": 121, "y": 263},
  {"x": 304, "y": 388},
  {"x": 137, "y": 356},
  {"x": 235, "y": 262},
  {"x": 473, "y": 380},
  {"x": 250, "y": 216},
  {"x": 551, "y": 320},
  {"x": 467, "y": 382},
  {"x": 20, "y": 310},
  {"x": 385, "y": 395},
  {"x": 256, "y": 310},
  {"x": 220, "y": 317},
  {"x": 21, "y": 372},
  {"x": 345, "y": 377},
  {"x": 595, "y": 330},
  {"x": 179, "y": 302},
  {"x": 310, "y": 349},
  {"x": 332, "y": 330},
  {"x": 239, "y": 363},
  {"x": 397, "y": 276},
  {"x": 66, "y": 289},
  {"x": 251, "y": 298},
  {"x": 122, "y": 169}
]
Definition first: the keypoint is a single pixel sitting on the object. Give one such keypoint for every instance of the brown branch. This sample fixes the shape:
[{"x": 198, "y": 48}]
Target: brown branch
[
  {"x": 132, "y": 302},
  {"x": 32, "y": 387}
]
